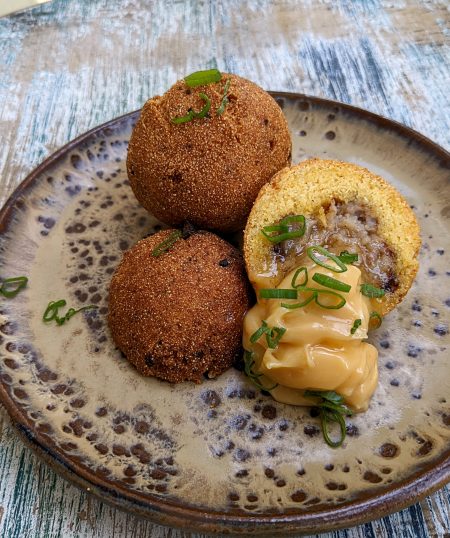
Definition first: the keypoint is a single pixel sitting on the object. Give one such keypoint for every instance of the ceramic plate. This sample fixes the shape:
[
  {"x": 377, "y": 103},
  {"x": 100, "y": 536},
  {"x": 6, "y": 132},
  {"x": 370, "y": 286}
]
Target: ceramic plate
[{"x": 219, "y": 456}]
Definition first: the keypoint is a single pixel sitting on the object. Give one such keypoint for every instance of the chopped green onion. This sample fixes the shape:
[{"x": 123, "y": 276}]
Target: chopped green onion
[
  {"x": 200, "y": 78},
  {"x": 294, "y": 278},
  {"x": 254, "y": 377},
  {"x": 12, "y": 286},
  {"x": 375, "y": 315},
  {"x": 371, "y": 291},
  {"x": 51, "y": 312},
  {"x": 285, "y": 231},
  {"x": 274, "y": 336},
  {"x": 259, "y": 332},
  {"x": 337, "y": 306},
  {"x": 330, "y": 282},
  {"x": 276, "y": 293},
  {"x": 225, "y": 99},
  {"x": 293, "y": 306},
  {"x": 316, "y": 293},
  {"x": 167, "y": 244},
  {"x": 311, "y": 251},
  {"x": 331, "y": 409},
  {"x": 355, "y": 326},
  {"x": 192, "y": 114},
  {"x": 347, "y": 257}
]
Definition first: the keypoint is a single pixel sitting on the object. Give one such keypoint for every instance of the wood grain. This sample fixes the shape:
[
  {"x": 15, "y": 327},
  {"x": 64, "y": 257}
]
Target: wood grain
[{"x": 69, "y": 66}]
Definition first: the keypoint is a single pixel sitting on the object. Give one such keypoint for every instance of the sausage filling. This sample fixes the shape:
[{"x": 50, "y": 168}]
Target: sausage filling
[{"x": 343, "y": 226}]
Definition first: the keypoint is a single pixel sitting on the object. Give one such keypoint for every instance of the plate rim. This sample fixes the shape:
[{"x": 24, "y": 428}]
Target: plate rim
[{"x": 424, "y": 481}]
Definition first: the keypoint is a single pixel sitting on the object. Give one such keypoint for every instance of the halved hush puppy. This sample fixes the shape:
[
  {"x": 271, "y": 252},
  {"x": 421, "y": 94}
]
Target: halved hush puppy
[
  {"x": 176, "y": 305},
  {"x": 207, "y": 170},
  {"x": 346, "y": 208}
]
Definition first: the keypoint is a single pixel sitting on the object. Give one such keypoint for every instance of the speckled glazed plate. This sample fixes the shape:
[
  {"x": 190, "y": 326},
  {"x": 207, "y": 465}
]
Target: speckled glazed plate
[{"x": 219, "y": 456}]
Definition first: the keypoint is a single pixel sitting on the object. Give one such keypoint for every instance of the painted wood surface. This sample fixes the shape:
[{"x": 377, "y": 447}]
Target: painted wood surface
[{"x": 68, "y": 66}]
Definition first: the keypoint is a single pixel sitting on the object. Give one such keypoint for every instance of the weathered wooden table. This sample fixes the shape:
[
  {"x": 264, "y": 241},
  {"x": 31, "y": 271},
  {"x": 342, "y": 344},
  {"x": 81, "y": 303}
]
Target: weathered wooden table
[{"x": 68, "y": 66}]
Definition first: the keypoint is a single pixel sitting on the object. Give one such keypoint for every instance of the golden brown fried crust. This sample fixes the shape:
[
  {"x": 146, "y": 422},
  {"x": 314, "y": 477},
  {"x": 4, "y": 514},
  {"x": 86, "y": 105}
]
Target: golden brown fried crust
[
  {"x": 207, "y": 171},
  {"x": 312, "y": 184},
  {"x": 179, "y": 316}
]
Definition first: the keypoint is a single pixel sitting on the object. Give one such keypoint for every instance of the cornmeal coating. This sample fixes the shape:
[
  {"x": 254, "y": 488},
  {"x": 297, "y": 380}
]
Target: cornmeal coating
[
  {"x": 178, "y": 316},
  {"x": 207, "y": 171}
]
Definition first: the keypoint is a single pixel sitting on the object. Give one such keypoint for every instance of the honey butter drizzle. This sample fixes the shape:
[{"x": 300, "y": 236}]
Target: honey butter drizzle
[{"x": 303, "y": 340}]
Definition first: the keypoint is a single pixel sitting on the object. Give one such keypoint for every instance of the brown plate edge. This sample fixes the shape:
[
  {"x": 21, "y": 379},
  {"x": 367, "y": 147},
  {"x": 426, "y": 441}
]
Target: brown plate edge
[{"x": 166, "y": 512}]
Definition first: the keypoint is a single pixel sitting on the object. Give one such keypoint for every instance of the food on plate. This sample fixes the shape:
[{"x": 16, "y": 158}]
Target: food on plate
[
  {"x": 177, "y": 303},
  {"x": 202, "y": 151},
  {"x": 330, "y": 248}
]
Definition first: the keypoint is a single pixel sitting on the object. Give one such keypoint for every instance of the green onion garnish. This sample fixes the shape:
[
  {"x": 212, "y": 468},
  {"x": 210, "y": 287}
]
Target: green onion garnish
[
  {"x": 167, "y": 244},
  {"x": 330, "y": 282},
  {"x": 305, "y": 278},
  {"x": 12, "y": 286},
  {"x": 225, "y": 99},
  {"x": 282, "y": 231},
  {"x": 273, "y": 336},
  {"x": 257, "y": 334},
  {"x": 355, "y": 326},
  {"x": 293, "y": 306},
  {"x": 375, "y": 315},
  {"x": 333, "y": 294},
  {"x": 347, "y": 257},
  {"x": 51, "y": 312},
  {"x": 316, "y": 293},
  {"x": 371, "y": 291},
  {"x": 276, "y": 293},
  {"x": 311, "y": 251},
  {"x": 200, "y": 78},
  {"x": 331, "y": 409},
  {"x": 192, "y": 114},
  {"x": 254, "y": 377}
]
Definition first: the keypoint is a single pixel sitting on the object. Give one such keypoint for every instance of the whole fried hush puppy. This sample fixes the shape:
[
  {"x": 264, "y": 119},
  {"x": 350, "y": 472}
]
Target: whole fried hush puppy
[
  {"x": 177, "y": 305},
  {"x": 201, "y": 154}
]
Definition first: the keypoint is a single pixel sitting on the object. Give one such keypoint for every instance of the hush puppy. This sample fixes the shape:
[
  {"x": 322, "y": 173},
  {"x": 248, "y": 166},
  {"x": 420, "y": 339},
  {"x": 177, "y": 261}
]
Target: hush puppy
[{"x": 177, "y": 303}]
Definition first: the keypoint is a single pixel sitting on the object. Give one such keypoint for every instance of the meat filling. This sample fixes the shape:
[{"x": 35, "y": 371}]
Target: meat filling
[{"x": 344, "y": 226}]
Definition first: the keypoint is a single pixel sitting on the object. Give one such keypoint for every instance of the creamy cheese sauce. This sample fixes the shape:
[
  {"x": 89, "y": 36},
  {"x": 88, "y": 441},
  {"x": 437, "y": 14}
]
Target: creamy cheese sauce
[{"x": 317, "y": 351}]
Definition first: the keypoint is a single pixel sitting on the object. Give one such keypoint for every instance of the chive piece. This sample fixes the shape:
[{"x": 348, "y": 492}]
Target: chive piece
[
  {"x": 204, "y": 111},
  {"x": 192, "y": 114},
  {"x": 346, "y": 257},
  {"x": 51, "y": 312},
  {"x": 316, "y": 293},
  {"x": 274, "y": 336},
  {"x": 337, "y": 306},
  {"x": 372, "y": 291},
  {"x": 293, "y": 306},
  {"x": 294, "y": 278},
  {"x": 12, "y": 286},
  {"x": 331, "y": 409},
  {"x": 259, "y": 332},
  {"x": 375, "y": 315},
  {"x": 248, "y": 370},
  {"x": 225, "y": 99},
  {"x": 284, "y": 228},
  {"x": 330, "y": 282},
  {"x": 200, "y": 78},
  {"x": 276, "y": 293},
  {"x": 355, "y": 326},
  {"x": 167, "y": 244},
  {"x": 311, "y": 251}
]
